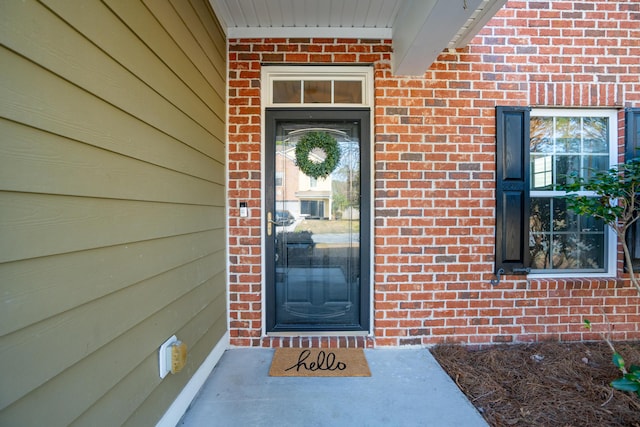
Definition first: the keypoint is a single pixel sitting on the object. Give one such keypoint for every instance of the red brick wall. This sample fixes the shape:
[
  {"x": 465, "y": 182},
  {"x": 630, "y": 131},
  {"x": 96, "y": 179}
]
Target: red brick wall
[{"x": 434, "y": 175}]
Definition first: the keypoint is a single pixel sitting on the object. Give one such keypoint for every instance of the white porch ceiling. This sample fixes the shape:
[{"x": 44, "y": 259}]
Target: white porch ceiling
[{"x": 420, "y": 29}]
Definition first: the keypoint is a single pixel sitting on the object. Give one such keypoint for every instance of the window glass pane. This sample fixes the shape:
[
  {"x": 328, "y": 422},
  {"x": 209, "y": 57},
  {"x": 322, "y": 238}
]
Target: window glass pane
[
  {"x": 594, "y": 163},
  {"x": 286, "y": 92},
  {"x": 561, "y": 146},
  {"x": 347, "y": 92},
  {"x": 590, "y": 224},
  {"x": 539, "y": 233},
  {"x": 317, "y": 91},
  {"x": 567, "y": 135},
  {"x": 562, "y": 219},
  {"x": 541, "y": 135},
  {"x": 590, "y": 251},
  {"x": 566, "y": 165},
  {"x": 561, "y": 240},
  {"x": 595, "y": 132},
  {"x": 577, "y": 251},
  {"x": 541, "y": 172}
]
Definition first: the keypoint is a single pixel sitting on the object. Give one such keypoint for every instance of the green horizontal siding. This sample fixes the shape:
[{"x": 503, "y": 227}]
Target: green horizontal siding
[{"x": 112, "y": 205}]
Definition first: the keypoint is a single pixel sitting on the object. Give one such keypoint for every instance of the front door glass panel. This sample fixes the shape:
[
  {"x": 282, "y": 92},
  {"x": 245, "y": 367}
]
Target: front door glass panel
[{"x": 314, "y": 249}]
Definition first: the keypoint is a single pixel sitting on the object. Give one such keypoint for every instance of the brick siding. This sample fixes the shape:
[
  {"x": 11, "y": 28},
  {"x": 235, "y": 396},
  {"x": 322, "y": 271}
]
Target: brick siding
[{"x": 434, "y": 148}]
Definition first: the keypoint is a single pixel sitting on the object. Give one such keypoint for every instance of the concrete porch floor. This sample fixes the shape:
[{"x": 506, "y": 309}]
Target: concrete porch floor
[{"x": 407, "y": 387}]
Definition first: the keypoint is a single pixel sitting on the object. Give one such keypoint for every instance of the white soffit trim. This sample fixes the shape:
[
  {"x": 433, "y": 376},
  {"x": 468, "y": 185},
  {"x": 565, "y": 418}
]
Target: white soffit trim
[
  {"x": 309, "y": 32},
  {"x": 476, "y": 22},
  {"x": 419, "y": 29},
  {"x": 423, "y": 29}
]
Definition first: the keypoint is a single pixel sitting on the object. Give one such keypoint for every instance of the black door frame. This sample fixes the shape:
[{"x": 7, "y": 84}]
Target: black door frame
[{"x": 272, "y": 117}]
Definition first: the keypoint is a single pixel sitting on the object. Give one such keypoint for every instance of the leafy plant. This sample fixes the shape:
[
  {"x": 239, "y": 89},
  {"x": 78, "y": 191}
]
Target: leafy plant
[
  {"x": 616, "y": 202},
  {"x": 630, "y": 380},
  {"x": 617, "y": 191}
]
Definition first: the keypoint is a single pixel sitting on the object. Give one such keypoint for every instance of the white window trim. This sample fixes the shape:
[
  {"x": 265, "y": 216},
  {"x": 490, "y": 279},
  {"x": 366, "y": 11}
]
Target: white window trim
[
  {"x": 309, "y": 73},
  {"x": 611, "y": 238}
]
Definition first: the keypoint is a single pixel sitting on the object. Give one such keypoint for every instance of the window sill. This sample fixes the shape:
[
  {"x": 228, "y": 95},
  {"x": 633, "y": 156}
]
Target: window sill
[{"x": 571, "y": 276}]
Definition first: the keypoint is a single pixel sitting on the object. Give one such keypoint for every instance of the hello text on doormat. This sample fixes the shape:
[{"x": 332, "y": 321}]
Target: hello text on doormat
[{"x": 319, "y": 362}]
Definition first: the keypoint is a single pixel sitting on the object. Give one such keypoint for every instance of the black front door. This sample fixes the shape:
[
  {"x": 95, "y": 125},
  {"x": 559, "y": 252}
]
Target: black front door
[{"x": 317, "y": 220}]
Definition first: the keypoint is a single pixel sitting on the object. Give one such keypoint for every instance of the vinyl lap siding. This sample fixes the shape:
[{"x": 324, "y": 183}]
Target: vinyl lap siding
[{"x": 112, "y": 203}]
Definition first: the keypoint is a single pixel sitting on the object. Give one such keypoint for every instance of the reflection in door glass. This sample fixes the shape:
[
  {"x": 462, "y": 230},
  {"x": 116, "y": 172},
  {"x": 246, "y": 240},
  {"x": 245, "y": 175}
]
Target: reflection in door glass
[{"x": 317, "y": 247}]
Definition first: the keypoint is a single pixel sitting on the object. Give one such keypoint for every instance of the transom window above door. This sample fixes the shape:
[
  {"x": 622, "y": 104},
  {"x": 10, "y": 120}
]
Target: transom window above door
[{"x": 304, "y": 86}]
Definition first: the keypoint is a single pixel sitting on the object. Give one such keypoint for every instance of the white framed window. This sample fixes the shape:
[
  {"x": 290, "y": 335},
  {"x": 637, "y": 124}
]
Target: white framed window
[
  {"x": 318, "y": 86},
  {"x": 565, "y": 141}
]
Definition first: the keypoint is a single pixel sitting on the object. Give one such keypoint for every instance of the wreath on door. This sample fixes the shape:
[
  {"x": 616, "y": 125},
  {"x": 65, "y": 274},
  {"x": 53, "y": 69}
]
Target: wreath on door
[{"x": 317, "y": 141}]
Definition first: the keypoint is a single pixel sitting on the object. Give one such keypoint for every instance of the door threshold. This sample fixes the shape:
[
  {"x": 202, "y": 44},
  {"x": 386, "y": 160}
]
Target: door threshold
[{"x": 318, "y": 334}]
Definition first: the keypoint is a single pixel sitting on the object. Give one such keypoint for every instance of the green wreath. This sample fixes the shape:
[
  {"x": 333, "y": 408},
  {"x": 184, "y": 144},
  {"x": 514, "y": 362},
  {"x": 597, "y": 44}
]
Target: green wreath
[{"x": 322, "y": 141}]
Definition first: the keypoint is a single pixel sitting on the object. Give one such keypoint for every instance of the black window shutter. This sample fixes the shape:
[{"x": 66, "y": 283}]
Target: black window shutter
[
  {"x": 632, "y": 142},
  {"x": 512, "y": 190}
]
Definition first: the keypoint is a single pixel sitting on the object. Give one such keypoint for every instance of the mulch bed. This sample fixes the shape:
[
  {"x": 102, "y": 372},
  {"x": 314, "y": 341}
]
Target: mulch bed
[{"x": 544, "y": 384}]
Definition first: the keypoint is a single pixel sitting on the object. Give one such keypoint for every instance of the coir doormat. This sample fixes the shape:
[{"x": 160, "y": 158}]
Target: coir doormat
[{"x": 319, "y": 362}]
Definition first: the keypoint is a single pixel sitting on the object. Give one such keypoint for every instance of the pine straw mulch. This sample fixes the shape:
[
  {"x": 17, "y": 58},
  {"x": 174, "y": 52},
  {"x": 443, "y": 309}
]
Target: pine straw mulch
[{"x": 544, "y": 384}]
